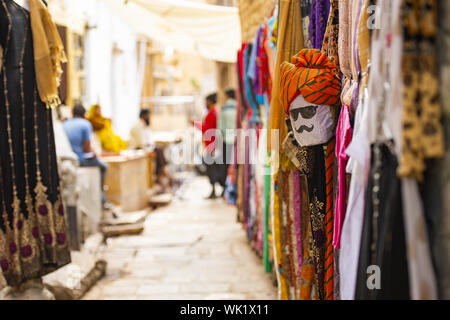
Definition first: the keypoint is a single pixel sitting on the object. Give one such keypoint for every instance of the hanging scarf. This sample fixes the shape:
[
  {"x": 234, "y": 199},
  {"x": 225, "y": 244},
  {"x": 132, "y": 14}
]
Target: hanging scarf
[{"x": 48, "y": 53}]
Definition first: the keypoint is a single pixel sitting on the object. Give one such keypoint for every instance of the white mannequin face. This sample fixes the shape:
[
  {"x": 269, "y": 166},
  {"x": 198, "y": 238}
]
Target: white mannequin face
[
  {"x": 23, "y": 3},
  {"x": 312, "y": 124}
]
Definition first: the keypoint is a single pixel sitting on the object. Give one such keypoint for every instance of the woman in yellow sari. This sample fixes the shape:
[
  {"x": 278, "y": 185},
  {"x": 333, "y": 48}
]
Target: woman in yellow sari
[{"x": 102, "y": 126}]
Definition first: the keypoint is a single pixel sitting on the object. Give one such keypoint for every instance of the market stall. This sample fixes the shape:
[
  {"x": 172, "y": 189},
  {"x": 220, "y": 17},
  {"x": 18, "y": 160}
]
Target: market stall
[{"x": 356, "y": 111}]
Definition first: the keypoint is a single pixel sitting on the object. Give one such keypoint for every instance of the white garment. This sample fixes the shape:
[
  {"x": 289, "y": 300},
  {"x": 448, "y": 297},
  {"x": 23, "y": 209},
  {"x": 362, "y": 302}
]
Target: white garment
[
  {"x": 358, "y": 166},
  {"x": 140, "y": 137},
  {"x": 421, "y": 274},
  {"x": 23, "y": 3}
]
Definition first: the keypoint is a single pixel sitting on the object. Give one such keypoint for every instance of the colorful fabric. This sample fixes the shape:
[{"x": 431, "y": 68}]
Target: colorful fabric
[
  {"x": 33, "y": 234},
  {"x": 343, "y": 139},
  {"x": 266, "y": 249},
  {"x": 311, "y": 74},
  {"x": 317, "y": 205},
  {"x": 48, "y": 53},
  {"x": 318, "y": 19},
  {"x": 307, "y": 270},
  {"x": 276, "y": 223},
  {"x": 264, "y": 84},
  {"x": 253, "y": 112},
  {"x": 298, "y": 221},
  {"x": 301, "y": 157},
  {"x": 329, "y": 219}
]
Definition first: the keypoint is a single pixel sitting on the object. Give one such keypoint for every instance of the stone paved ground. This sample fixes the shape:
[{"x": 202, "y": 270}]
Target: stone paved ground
[{"x": 192, "y": 249}]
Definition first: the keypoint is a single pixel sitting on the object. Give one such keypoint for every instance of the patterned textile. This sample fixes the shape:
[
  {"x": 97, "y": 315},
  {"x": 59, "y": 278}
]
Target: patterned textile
[
  {"x": 311, "y": 74},
  {"x": 306, "y": 10},
  {"x": 254, "y": 116},
  {"x": 307, "y": 270},
  {"x": 276, "y": 223},
  {"x": 289, "y": 40},
  {"x": 318, "y": 20},
  {"x": 330, "y": 40},
  {"x": 345, "y": 36},
  {"x": 383, "y": 237},
  {"x": 422, "y": 129},
  {"x": 267, "y": 231},
  {"x": 317, "y": 206},
  {"x": 297, "y": 200},
  {"x": 329, "y": 216},
  {"x": 264, "y": 84},
  {"x": 33, "y": 235},
  {"x": 301, "y": 157}
]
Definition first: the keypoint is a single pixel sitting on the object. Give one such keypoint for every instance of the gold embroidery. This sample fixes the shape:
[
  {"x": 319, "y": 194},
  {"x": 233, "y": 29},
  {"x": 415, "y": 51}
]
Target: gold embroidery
[
  {"x": 36, "y": 234},
  {"x": 13, "y": 240},
  {"x": 316, "y": 208}
]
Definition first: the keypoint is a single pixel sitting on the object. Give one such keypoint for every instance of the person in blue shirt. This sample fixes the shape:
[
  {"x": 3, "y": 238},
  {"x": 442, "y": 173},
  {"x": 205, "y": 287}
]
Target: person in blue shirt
[{"x": 79, "y": 132}]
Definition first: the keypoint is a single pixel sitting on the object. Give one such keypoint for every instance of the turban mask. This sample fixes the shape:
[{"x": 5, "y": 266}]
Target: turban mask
[{"x": 309, "y": 86}]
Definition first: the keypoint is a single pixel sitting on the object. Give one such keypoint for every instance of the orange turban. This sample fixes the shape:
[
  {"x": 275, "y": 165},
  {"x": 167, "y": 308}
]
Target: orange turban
[{"x": 311, "y": 74}]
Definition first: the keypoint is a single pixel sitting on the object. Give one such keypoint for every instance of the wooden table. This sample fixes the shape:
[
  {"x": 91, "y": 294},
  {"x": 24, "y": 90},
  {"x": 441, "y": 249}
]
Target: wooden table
[{"x": 127, "y": 180}]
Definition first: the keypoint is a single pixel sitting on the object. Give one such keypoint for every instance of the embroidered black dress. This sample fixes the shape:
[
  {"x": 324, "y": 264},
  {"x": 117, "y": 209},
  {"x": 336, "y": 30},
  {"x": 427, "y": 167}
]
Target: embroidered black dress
[
  {"x": 388, "y": 249},
  {"x": 32, "y": 224}
]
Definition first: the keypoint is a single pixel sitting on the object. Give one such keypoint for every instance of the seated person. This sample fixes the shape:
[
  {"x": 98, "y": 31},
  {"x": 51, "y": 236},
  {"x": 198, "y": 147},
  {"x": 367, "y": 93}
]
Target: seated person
[
  {"x": 79, "y": 133},
  {"x": 140, "y": 135},
  {"x": 110, "y": 141},
  {"x": 140, "y": 139}
]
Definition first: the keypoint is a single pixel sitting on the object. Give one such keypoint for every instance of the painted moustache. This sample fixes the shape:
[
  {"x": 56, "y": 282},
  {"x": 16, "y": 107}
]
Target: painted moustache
[{"x": 305, "y": 128}]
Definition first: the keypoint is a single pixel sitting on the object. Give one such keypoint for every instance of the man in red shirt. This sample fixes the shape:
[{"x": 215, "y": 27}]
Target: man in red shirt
[{"x": 208, "y": 129}]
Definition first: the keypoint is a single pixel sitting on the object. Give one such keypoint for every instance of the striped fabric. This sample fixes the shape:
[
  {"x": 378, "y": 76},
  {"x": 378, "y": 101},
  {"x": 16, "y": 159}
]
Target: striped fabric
[
  {"x": 311, "y": 74},
  {"x": 329, "y": 253}
]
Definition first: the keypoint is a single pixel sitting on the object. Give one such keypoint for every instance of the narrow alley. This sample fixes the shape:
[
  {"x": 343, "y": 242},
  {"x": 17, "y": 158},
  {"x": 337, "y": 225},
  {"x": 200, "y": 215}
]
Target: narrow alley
[{"x": 190, "y": 250}]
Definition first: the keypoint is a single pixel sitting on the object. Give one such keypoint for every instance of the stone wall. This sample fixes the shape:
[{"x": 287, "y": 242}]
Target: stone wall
[{"x": 253, "y": 13}]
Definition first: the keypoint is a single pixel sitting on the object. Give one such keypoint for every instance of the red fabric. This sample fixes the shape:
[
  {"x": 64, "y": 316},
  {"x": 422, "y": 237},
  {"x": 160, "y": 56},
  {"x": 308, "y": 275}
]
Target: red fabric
[
  {"x": 263, "y": 66},
  {"x": 210, "y": 123}
]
